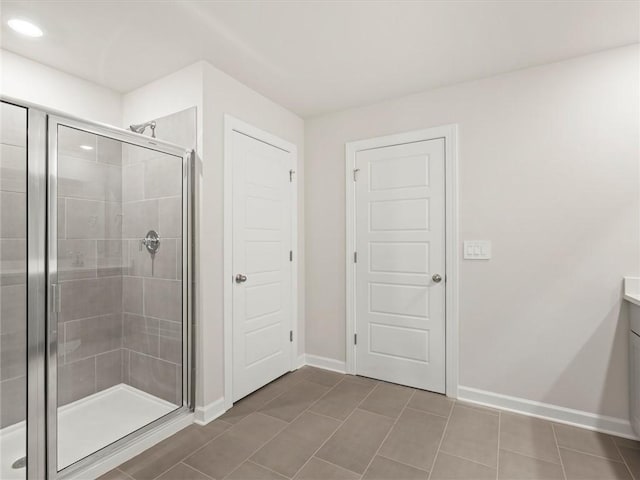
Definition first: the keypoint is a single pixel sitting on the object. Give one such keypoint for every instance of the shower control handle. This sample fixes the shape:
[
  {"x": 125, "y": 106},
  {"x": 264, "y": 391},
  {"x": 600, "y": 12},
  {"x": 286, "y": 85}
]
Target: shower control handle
[
  {"x": 241, "y": 278},
  {"x": 151, "y": 242}
]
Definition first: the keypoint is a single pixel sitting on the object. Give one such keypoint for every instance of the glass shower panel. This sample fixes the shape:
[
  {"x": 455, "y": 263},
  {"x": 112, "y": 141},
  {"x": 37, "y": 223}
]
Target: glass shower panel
[
  {"x": 119, "y": 274},
  {"x": 13, "y": 294}
]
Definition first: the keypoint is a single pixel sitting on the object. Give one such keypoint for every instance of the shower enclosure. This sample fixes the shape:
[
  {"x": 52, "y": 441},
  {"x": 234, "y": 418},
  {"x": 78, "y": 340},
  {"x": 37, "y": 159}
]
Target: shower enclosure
[{"x": 95, "y": 277}]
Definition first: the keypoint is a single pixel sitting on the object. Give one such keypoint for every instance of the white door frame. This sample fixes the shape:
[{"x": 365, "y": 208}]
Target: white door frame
[
  {"x": 449, "y": 134},
  {"x": 232, "y": 124}
]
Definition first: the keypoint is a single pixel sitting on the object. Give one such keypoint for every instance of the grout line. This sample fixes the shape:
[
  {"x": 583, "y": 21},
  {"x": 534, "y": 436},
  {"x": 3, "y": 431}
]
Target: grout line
[
  {"x": 189, "y": 466},
  {"x": 188, "y": 455},
  {"x": 593, "y": 455},
  {"x": 334, "y": 432},
  {"x": 507, "y": 449},
  {"x": 419, "y": 410},
  {"x": 555, "y": 437},
  {"x": 623, "y": 459},
  {"x": 444, "y": 432},
  {"x": 395, "y": 422}
]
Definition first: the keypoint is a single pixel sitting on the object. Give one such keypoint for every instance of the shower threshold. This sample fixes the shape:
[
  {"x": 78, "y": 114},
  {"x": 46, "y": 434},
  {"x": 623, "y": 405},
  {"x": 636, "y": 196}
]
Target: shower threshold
[{"x": 87, "y": 425}]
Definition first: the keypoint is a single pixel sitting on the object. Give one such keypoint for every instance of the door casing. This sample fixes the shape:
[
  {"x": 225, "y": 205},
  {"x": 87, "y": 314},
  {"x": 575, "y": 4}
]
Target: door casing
[
  {"x": 449, "y": 134},
  {"x": 232, "y": 124}
]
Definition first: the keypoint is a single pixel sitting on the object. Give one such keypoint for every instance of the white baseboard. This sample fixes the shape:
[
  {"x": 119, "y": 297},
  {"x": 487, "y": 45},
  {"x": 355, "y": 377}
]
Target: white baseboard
[
  {"x": 325, "y": 363},
  {"x": 301, "y": 362},
  {"x": 546, "y": 411},
  {"x": 208, "y": 413}
]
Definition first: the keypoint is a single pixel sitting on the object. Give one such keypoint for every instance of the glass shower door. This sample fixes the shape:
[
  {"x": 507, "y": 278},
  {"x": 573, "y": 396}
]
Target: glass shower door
[{"x": 118, "y": 323}]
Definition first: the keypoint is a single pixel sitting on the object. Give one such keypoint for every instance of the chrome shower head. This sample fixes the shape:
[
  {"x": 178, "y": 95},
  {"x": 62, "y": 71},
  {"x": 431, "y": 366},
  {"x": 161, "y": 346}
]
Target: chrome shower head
[{"x": 140, "y": 127}]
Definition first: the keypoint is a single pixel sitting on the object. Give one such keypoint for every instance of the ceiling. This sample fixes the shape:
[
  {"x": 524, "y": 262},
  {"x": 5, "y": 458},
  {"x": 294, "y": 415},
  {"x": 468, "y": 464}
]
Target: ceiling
[{"x": 317, "y": 56}]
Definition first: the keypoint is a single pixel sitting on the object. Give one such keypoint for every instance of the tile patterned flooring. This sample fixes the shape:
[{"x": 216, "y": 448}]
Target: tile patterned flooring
[{"x": 313, "y": 424}]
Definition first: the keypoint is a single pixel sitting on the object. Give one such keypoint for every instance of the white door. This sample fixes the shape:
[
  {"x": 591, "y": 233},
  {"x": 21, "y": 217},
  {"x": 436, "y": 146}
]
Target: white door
[
  {"x": 261, "y": 245},
  {"x": 400, "y": 269}
]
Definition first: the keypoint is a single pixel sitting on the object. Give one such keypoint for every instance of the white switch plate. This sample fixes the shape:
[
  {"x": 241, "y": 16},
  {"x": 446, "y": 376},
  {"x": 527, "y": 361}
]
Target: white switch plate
[{"x": 477, "y": 249}]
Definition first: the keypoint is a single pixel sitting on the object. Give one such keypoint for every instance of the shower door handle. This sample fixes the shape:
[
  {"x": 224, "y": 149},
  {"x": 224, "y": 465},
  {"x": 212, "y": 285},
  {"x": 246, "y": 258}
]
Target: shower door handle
[{"x": 241, "y": 278}]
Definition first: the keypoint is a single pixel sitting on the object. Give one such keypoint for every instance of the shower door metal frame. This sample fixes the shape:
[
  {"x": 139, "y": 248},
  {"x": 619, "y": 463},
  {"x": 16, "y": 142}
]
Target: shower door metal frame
[{"x": 54, "y": 121}]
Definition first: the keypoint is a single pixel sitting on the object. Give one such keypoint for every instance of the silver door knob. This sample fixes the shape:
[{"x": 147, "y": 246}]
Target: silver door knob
[
  {"x": 241, "y": 278},
  {"x": 436, "y": 278}
]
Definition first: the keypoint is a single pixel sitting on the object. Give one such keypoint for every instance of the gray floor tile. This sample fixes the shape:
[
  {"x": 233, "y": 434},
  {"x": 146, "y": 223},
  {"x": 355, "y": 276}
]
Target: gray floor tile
[
  {"x": 317, "y": 469},
  {"x": 580, "y": 466},
  {"x": 627, "y": 443},
  {"x": 513, "y": 466},
  {"x": 288, "y": 451},
  {"x": 226, "y": 452},
  {"x": 322, "y": 377},
  {"x": 183, "y": 472},
  {"x": 251, "y": 471},
  {"x": 385, "y": 469},
  {"x": 159, "y": 458},
  {"x": 414, "y": 439},
  {"x": 115, "y": 475},
  {"x": 294, "y": 400},
  {"x": 449, "y": 467},
  {"x": 632, "y": 459},
  {"x": 472, "y": 434},
  {"x": 387, "y": 399},
  {"x": 432, "y": 403},
  {"x": 356, "y": 441},
  {"x": 528, "y": 436},
  {"x": 342, "y": 399},
  {"x": 586, "y": 441}
]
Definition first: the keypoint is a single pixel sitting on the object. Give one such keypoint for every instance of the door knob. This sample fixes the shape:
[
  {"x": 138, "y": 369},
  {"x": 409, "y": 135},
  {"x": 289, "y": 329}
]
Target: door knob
[
  {"x": 241, "y": 278},
  {"x": 436, "y": 278}
]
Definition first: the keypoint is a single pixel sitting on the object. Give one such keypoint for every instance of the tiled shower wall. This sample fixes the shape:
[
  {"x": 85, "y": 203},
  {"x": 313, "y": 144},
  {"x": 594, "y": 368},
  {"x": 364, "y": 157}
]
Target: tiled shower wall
[
  {"x": 152, "y": 286},
  {"x": 13, "y": 311},
  {"x": 90, "y": 264}
]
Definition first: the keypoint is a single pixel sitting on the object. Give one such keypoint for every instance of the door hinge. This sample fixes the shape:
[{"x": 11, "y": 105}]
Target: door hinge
[
  {"x": 355, "y": 257},
  {"x": 56, "y": 302},
  {"x": 355, "y": 338},
  {"x": 291, "y": 255},
  {"x": 291, "y": 174},
  {"x": 291, "y": 335},
  {"x": 355, "y": 174}
]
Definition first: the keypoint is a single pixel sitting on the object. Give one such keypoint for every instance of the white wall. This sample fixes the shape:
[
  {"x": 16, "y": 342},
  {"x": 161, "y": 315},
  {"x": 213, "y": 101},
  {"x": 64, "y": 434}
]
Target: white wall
[
  {"x": 214, "y": 93},
  {"x": 223, "y": 94},
  {"x": 549, "y": 173},
  {"x": 33, "y": 82}
]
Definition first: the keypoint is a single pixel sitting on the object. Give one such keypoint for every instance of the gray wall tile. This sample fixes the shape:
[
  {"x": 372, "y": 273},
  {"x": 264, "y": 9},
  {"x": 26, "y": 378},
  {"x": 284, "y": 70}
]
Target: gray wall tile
[
  {"x": 13, "y": 357},
  {"x": 140, "y": 334},
  {"x": 92, "y": 336},
  {"x": 76, "y": 380},
  {"x": 13, "y": 168},
  {"x": 90, "y": 298},
  {"x": 132, "y": 295},
  {"x": 170, "y": 216},
  {"x": 13, "y": 401},
  {"x": 108, "y": 369},
  {"x": 70, "y": 141},
  {"x": 14, "y": 125},
  {"x": 13, "y": 263},
  {"x": 139, "y": 218},
  {"x": 93, "y": 219},
  {"x": 89, "y": 180},
  {"x": 76, "y": 259},
  {"x": 163, "y": 299},
  {"x": 109, "y": 151},
  {"x": 13, "y": 308},
  {"x": 13, "y": 215},
  {"x": 170, "y": 341},
  {"x": 155, "y": 376},
  {"x": 110, "y": 258},
  {"x": 163, "y": 176}
]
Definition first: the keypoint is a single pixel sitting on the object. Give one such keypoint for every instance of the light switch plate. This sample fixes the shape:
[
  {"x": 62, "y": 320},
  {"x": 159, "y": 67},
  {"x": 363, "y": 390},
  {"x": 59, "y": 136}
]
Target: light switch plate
[{"x": 477, "y": 249}]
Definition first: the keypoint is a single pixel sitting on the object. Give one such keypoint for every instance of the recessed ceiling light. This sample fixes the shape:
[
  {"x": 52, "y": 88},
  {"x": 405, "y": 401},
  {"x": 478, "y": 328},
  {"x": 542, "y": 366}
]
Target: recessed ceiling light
[
  {"x": 25, "y": 27},
  {"x": 86, "y": 147}
]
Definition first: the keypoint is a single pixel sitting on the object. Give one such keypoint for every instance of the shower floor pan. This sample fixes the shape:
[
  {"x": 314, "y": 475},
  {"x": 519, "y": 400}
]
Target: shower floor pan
[{"x": 86, "y": 426}]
